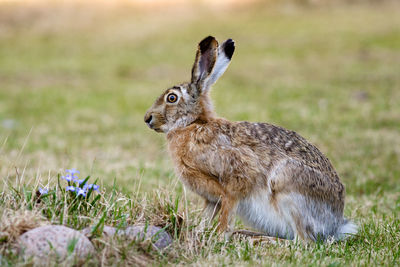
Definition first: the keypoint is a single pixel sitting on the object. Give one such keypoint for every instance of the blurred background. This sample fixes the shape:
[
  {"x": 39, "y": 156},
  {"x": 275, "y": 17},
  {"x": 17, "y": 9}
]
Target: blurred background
[{"x": 76, "y": 78}]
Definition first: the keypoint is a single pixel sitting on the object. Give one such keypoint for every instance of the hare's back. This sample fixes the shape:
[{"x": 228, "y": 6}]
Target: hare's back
[
  {"x": 310, "y": 171},
  {"x": 286, "y": 143}
]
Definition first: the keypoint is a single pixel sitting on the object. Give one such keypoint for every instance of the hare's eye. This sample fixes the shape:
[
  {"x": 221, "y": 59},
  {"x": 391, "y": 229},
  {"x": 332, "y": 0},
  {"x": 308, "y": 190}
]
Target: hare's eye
[{"x": 171, "y": 98}]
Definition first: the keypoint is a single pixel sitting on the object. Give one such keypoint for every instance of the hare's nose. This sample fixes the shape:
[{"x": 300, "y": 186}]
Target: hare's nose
[{"x": 148, "y": 118}]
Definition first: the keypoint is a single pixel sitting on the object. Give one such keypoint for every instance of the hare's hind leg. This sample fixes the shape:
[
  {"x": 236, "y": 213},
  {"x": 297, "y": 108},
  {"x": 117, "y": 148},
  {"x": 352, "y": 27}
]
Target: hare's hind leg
[
  {"x": 310, "y": 219},
  {"x": 256, "y": 237},
  {"x": 307, "y": 200}
]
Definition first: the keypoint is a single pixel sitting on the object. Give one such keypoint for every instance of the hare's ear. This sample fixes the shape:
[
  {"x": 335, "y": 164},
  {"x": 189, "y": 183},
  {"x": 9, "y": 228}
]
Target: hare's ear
[
  {"x": 211, "y": 62},
  {"x": 206, "y": 57},
  {"x": 225, "y": 53}
]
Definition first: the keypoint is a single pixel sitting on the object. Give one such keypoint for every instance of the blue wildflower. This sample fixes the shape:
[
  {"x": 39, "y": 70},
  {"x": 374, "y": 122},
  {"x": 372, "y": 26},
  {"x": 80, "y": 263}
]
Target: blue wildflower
[
  {"x": 81, "y": 192},
  {"x": 79, "y": 186},
  {"x": 68, "y": 178},
  {"x": 43, "y": 191},
  {"x": 91, "y": 186},
  {"x": 72, "y": 171},
  {"x": 79, "y": 181},
  {"x": 70, "y": 188}
]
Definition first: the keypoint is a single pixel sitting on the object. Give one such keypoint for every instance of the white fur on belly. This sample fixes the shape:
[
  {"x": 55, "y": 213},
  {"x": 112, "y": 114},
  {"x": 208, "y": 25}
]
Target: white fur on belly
[{"x": 257, "y": 212}]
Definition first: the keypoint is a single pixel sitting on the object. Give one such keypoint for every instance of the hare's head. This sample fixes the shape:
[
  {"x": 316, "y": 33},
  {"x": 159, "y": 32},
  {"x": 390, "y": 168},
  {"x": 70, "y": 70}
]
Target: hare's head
[{"x": 181, "y": 105}]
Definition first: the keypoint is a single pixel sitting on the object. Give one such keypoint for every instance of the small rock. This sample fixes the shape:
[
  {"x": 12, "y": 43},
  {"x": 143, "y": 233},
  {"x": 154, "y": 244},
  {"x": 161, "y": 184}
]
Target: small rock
[
  {"x": 160, "y": 239},
  {"x": 360, "y": 95},
  {"x": 36, "y": 242},
  {"x": 107, "y": 231}
]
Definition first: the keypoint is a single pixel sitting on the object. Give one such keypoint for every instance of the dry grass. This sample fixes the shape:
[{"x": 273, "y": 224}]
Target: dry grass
[
  {"x": 14, "y": 223},
  {"x": 77, "y": 79}
]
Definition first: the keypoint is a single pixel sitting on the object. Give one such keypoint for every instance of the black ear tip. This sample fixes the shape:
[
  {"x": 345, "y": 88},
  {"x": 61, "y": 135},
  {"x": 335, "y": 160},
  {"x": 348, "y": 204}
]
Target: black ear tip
[
  {"x": 229, "y": 48},
  {"x": 205, "y": 43},
  {"x": 209, "y": 38}
]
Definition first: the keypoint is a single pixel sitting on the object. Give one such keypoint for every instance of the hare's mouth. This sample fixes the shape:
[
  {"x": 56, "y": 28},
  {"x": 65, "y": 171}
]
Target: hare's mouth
[
  {"x": 151, "y": 126},
  {"x": 154, "y": 128}
]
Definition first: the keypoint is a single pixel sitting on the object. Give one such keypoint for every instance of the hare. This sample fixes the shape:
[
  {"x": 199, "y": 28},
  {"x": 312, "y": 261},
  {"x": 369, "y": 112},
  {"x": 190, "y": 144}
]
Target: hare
[{"x": 272, "y": 178}]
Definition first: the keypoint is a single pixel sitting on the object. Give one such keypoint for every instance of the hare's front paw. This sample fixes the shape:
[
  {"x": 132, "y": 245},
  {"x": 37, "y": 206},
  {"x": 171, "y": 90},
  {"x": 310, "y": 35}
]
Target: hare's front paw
[{"x": 224, "y": 237}]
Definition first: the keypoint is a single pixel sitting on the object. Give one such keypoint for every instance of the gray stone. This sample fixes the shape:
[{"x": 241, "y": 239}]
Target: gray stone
[
  {"x": 47, "y": 240},
  {"x": 159, "y": 238},
  {"x": 108, "y": 231}
]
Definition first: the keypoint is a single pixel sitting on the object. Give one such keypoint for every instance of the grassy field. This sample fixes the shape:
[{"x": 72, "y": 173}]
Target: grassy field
[{"x": 75, "y": 82}]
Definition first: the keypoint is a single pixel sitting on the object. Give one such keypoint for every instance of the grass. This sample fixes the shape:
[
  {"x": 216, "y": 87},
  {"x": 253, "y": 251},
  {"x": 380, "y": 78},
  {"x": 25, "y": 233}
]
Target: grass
[{"x": 75, "y": 82}]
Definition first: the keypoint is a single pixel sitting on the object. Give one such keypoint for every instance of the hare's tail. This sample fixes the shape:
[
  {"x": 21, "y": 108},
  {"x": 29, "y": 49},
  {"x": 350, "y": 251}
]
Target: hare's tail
[{"x": 347, "y": 229}]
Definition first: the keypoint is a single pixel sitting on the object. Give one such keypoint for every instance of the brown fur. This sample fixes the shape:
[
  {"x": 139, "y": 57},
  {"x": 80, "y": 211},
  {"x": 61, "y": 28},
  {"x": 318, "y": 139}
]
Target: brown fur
[{"x": 226, "y": 162}]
